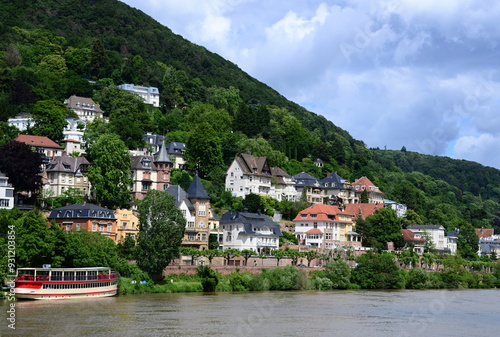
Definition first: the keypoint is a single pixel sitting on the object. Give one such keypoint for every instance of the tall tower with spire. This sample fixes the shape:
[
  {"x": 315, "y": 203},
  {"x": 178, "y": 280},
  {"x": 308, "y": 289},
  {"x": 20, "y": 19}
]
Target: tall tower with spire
[
  {"x": 164, "y": 167},
  {"x": 201, "y": 201}
]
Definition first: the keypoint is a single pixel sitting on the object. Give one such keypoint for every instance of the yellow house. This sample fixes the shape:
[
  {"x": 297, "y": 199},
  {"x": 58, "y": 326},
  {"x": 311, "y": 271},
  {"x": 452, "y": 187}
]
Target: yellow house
[{"x": 127, "y": 224}]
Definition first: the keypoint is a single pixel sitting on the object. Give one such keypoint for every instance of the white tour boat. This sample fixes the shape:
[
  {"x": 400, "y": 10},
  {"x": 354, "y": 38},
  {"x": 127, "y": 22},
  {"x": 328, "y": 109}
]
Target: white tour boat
[{"x": 61, "y": 283}]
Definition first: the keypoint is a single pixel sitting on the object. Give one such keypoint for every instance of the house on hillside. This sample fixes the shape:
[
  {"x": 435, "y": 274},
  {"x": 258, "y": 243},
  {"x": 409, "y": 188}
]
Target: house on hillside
[
  {"x": 375, "y": 196},
  {"x": 282, "y": 185},
  {"x": 89, "y": 217},
  {"x": 338, "y": 190},
  {"x": 64, "y": 172},
  {"x": 195, "y": 206},
  {"x": 150, "y": 95},
  {"x": 326, "y": 227},
  {"x": 41, "y": 144},
  {"x": 150, "y": 172},
  {"x": 435, "y": 233},
  {"x": 22, "y": 121},
  {"x": 308, "y": 186},
  {"x": 362, "y": 210},
  {"x": 253, "y": 231},
  {"x": 127, "y": 225},
  {"x": 412, "y": 239},
  {"x": 6, "y": 193},
  {"x": 85, "y": 108},
  {"x": 399, "y": 208},
  {"x": 249, "y": 174}
]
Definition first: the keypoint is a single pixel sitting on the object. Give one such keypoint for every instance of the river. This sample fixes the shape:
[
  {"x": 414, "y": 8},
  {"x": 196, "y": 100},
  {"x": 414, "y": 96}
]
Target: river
[{"x": 298, "y": 313}]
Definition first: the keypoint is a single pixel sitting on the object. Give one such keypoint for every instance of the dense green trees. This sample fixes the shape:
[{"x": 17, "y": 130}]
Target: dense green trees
[
  {"x": 160, "y": 233},
  {"x": 110, "y": 171}
]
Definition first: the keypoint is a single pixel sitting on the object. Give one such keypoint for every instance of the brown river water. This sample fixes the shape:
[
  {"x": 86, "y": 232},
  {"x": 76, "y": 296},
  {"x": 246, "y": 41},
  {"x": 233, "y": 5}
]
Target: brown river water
[{"x": 298, "y": 313}]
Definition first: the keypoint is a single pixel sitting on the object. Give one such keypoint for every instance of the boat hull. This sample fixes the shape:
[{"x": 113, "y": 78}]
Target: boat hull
[{"x": 23, "y": 294}]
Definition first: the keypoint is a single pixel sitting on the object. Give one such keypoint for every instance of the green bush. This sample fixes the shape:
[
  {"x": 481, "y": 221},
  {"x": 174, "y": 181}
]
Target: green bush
[{"x": 209, "y": 278}]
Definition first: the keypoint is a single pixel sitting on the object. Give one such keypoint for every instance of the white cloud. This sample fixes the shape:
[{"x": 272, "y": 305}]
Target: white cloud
[{"x": 482, "y": 149}]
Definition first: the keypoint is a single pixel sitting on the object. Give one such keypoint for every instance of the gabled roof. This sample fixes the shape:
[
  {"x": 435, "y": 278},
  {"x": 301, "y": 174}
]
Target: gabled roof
[
  {"x": 179, "y": 195},
  {"x": 280, "y": 175},
  {"x": 196, "y": 189},
  {"x": 77, "y": 102},
  {"x": 321, "y": 212},
  {"x": 368, "y": 185},
  {"x": 142, "y": 162},
  {"x": 38, "y": 141},
  {"x": 253, "y": 165},
  {"x": 176, "y": 148},
  {"x": 82, "y": 211},
  {"x": 314, "y": 231},
  {"x": 333, "y": 180},
  {"x": 250, "y": 221},
  {"x": 409, "y": 236},
  {"x": 305, "y": 179},
  {"x": 362, "y": 210},
  {"x": 66, "y": 164},
  {"x": 484, "y": 232}
]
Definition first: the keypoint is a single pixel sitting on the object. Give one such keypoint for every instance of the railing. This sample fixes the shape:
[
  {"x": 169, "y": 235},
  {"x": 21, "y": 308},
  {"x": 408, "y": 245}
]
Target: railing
[{"x": 60, "y": 278}]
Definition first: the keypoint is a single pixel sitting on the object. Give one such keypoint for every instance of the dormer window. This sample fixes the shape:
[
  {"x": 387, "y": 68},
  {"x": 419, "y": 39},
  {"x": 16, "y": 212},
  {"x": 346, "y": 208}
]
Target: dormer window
[{"x": 146, "y": 162}]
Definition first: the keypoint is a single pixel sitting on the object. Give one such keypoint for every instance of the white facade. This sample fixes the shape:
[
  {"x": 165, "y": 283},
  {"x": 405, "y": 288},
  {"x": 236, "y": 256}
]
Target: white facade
[
  {"x": 399, "y": 208},
  {"x": 241, "y": 184},
  {"x": 6, "y": 193},
  {"x": 435, "y": 232},
  {"x": 22, "y": 121},
  {"x": 150, "y": 95},
  {"x": 262, "y": 237}
]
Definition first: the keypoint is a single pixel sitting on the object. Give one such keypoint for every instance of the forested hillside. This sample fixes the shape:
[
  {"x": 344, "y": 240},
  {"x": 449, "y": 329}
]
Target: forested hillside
[{"x": 52, "y": 49}]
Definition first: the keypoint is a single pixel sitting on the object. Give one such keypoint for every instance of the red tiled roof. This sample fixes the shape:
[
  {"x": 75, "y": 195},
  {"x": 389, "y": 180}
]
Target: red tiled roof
[
  {"x": 408, "y": 235},
  {"x": 321, "y": 211},
  {"x": 369, "y": 186},
  {"x": 37, "y": 141},
  {"x": 484, "y": 232},
  {"x": 362, "y": 209},
  {"x": 314, "y": 231}
]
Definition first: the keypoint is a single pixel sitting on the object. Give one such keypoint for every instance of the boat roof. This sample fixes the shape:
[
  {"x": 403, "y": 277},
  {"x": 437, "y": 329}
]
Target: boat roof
[{"x": 67, "y": 269}]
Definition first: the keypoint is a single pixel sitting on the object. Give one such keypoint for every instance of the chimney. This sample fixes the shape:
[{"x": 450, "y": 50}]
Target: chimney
[{"x": 328, "y": 175}]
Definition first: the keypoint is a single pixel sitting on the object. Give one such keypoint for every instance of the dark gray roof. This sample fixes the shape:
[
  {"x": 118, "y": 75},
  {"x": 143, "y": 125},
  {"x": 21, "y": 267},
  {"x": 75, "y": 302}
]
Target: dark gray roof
[
  {"x": 153, "y": 139},
  {"x": 250, "y": 221},
  {"x": 179, "y": 194},
  {"x": 67, "y": 164},
  {"x": 423, "y": 226},
  {"x": 162, "y": 155},
  {"x": 82, "y": 211},
  {"x": 334, "y": 180},
  {"x": 176, "y": 148},
  {"x": 305, "y": 179},
  {"x": 196, "y": 189}
]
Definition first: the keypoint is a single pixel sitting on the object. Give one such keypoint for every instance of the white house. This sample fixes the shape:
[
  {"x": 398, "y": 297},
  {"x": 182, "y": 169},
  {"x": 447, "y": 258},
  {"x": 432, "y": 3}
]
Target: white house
[
  {"x": 253, "y": 231},
  {"x": 248, "y": 174},
  {"x": 434, "y": 232},
  {"x": 22, "y": 121},
  {"x": 150, "y": 95},
  {"x": 399, "y": 208},
  {"x": 85, "y": 108},
  {"x": 6, "y": 193},
  {"x": 283, "y": 186}
]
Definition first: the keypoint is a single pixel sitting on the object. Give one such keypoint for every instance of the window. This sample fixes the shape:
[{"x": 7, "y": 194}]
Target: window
[
  {"x": 303, "y": 215},
  {"x": 190, "y": 224},
  {"x": 94, "y": 227},
  {"x": 68, "y": 227},
  {"x": 314, "y": 216},
  {"x": 77, "y": 226},
  {"x": 201, "y": 224},
  {"x": 202, "y": 210},
  {"x": 146, "y": 186}
]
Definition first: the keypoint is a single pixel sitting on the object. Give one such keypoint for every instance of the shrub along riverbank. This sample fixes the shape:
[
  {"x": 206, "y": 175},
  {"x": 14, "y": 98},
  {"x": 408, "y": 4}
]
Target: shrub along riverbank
[{"x": 373, "y": 271}]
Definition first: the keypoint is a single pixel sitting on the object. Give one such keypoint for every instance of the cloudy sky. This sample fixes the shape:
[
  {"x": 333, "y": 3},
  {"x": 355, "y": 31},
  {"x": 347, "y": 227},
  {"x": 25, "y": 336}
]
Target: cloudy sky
[{"x": 423, "y": 74}]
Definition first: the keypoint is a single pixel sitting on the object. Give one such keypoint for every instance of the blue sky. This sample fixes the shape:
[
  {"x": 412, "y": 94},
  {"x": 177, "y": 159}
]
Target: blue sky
[{"x": 416, "y": 73}]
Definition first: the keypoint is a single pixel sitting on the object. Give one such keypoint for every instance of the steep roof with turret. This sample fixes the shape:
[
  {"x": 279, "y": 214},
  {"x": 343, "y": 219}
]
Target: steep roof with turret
[{"x": 196, "y": 189}]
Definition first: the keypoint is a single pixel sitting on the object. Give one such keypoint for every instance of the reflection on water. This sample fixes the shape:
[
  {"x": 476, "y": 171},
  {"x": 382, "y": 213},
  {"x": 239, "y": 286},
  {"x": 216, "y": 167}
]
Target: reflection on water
[{"x": 301, "y": 313}]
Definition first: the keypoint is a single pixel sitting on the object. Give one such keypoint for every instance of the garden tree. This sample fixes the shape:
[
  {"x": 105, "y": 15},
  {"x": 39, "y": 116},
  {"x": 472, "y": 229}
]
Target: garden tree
[
  {"x": 261, "y": 148},
  {"x": 252, "y": 203},
  {"x": 7, "y": 132},
  {"x": 428, "y": 259},
  {"x": 93, "y": 131},
  {"x": 247, "y": 253},
  {"x": 161, "y": 228},
  {"x": 228, "y": 254},
  {"x": 279, "y": 254},
  {"x": 386, "y": 227},
  {"x": 109, "y": 172},
  {"x": 49, "y": 119},
  {"x": 310, "y": 256},
  {"x": 203, "y": 150},
  {"x": 34, "y": 243},
  {"x": 429, "y": 245},
  {"x": 181, "y": 178},
  {"x": 339, "y": 273},
  {"x": 409, "y": 258},
  {"x": 467, "y": 241},
  {"x": 22, "y": 165},
  {"x": 377, "y": 271},
  {"x": 213, "y": 242},
  {"x": 210, "y": 254},
  {"x": 89, "y": 249},
  {"x": 294, "y": 254},
  {"x": 365, "y": 229},
  {"x": 128, "y": 114},
  {"x": 190, "y": 251},
  {"x": 411, "y": 218},
  {"x": 126, "y": 248},
  {"x": 363, "y": 198}
]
